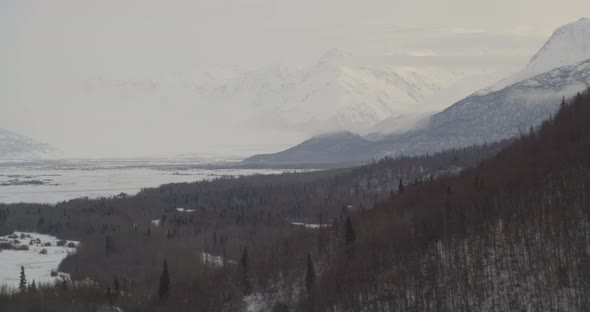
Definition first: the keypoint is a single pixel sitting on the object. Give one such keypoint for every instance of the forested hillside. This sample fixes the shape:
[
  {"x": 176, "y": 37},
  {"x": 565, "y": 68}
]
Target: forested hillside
[
  {"x": 128, "y": 238},
  {"x": 509, "y": 235},
  {"x": 502, "y": 227}
]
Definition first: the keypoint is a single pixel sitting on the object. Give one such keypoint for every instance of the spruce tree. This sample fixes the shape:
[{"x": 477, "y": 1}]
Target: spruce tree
[
  {"x": 109, "y": 296},
  {"x": 400, "y": 187},
  {"x": 349, "y": 234},
  {"x": 164, "y": 288},
  {"x": 116, "y": 287},
  {"x": 310, "y": 274},
  {"x": 33, "y": 286},
  {"x": 108, "y": 245},
  {"x": 246, "y": 284},
  {"x": 23, "y": 279}
]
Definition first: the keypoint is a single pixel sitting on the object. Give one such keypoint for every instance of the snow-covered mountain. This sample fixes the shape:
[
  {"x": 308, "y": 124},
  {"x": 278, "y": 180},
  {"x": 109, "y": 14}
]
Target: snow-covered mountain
[
  {"x": 338, "y": 93},
  {"x": 396, "y": 124},
  {"x": 568, "y": 45},
  {"x": 492, "y": 116},
  {"x": 18, "y": 147},
  {"x": 500, "y": 111}
]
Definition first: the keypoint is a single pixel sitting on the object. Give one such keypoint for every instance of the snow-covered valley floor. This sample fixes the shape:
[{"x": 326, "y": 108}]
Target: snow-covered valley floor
[
  {"x": 52, "y": 182},
  {"x": 39, "y": 255}
]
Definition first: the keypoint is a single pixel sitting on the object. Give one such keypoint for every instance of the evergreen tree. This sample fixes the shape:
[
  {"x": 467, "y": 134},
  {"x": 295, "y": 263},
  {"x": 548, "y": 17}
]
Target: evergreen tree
[
  {"x": 33, "y": 286},
  {"x": 349, "y": 234},
  {"x": 400, "y": 187},
  {"x": 109, "y": 296},
  {"x": 108, "y": 245},
  {"x": 244, "y": 265},
  {"x": 116, "y": 287},
  {"x": 310, "y": 274},
  {"x": 164, "y": 288},
  {"x": 23, "y": 279}
]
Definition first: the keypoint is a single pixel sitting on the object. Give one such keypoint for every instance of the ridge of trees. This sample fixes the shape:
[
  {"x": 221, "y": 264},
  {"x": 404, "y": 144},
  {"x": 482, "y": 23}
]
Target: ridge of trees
[{"x": 506, "y": 224}]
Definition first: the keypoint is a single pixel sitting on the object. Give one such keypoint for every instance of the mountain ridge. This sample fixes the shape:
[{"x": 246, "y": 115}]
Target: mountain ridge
[
  {"x": 494, "y": 113},
  {"x": 567, "y": 45},
  {"x": 14, "y": 146}
]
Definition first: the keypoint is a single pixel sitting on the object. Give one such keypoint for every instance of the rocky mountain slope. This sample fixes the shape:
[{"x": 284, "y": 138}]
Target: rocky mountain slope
[
  {"x": 568, "y": 45},
  {"x": 18, "y": 147},
  {"x": 503, "y": 110}
]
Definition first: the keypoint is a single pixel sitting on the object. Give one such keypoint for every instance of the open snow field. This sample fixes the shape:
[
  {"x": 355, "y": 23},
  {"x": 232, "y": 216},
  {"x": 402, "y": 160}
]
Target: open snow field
[
  {"x": 42, "y": 257},
  {"x": 55, "y": 181}
]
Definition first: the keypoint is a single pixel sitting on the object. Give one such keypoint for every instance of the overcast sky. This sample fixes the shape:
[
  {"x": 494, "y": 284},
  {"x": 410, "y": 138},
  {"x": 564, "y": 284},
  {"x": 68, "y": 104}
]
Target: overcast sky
[{"x": 51, "y": 48}]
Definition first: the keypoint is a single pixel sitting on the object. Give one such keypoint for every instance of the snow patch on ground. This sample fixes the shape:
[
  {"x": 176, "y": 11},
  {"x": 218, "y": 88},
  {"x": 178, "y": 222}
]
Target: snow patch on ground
[
  {"x": 38, "y": 264},
  {"x": 311, "y": 225},
  {"x": 256, "y": 303},
  {"x": 215, "y": 261},
  {"x": 184, "y": 210}
]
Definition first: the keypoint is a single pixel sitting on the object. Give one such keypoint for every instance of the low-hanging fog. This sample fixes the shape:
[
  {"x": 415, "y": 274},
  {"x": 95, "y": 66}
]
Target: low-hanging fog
[{"x": 156, "y": 78}]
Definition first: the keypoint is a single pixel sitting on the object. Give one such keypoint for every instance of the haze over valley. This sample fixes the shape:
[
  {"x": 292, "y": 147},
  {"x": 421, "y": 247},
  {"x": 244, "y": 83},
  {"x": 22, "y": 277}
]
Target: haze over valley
[
  {"x": 115, "y": 89},
  {"x": 294, "y": 156}
]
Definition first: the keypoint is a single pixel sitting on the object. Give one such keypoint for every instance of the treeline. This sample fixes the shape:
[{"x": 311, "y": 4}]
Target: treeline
[
  {"x": 127, "y": 238},
  {"x": 512, "y": 234},
  {"x": 429, "y": 233}
]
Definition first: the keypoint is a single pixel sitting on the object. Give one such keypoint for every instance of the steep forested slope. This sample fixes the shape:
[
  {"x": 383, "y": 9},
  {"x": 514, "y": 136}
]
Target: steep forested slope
[
  {"x": 512, "y": 234},
  {"x": 128, "y": 237}
]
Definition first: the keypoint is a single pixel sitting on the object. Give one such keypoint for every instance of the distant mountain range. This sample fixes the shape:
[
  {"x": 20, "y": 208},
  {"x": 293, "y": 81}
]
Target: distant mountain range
[
  {"x": 561, "y": 68},
  {"x": 18, "y": 147},
  {"x": 339, "y": 92},
  {"x": 339, "y": 147}
]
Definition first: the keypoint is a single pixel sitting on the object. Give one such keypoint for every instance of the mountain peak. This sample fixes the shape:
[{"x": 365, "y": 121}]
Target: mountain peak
[
  {"x": 568, "y": 45},
  {"x": 334, "y": 55}
]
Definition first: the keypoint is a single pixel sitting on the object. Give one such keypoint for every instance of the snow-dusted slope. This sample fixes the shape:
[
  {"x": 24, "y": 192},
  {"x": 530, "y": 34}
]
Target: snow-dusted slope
[
  {"x": 332, "y": 148},
  {"x": 17, "y": 147},
  {"x": 337, "y": 93},
  {"x": 493, "y": 116},
  {"x": 396, "y": 124},
  {"x": 501, "y": 111},
  {"x": 569, "y": 44}
]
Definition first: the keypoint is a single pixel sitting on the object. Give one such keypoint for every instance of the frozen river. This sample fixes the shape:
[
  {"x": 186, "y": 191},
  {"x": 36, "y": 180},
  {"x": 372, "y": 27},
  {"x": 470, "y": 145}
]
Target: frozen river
[{"x": 55, "y": 181}]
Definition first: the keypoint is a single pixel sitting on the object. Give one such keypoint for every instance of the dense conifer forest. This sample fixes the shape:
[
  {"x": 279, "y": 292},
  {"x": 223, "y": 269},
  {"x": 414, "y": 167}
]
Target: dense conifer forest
[{"x": 498, "y": 227}]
